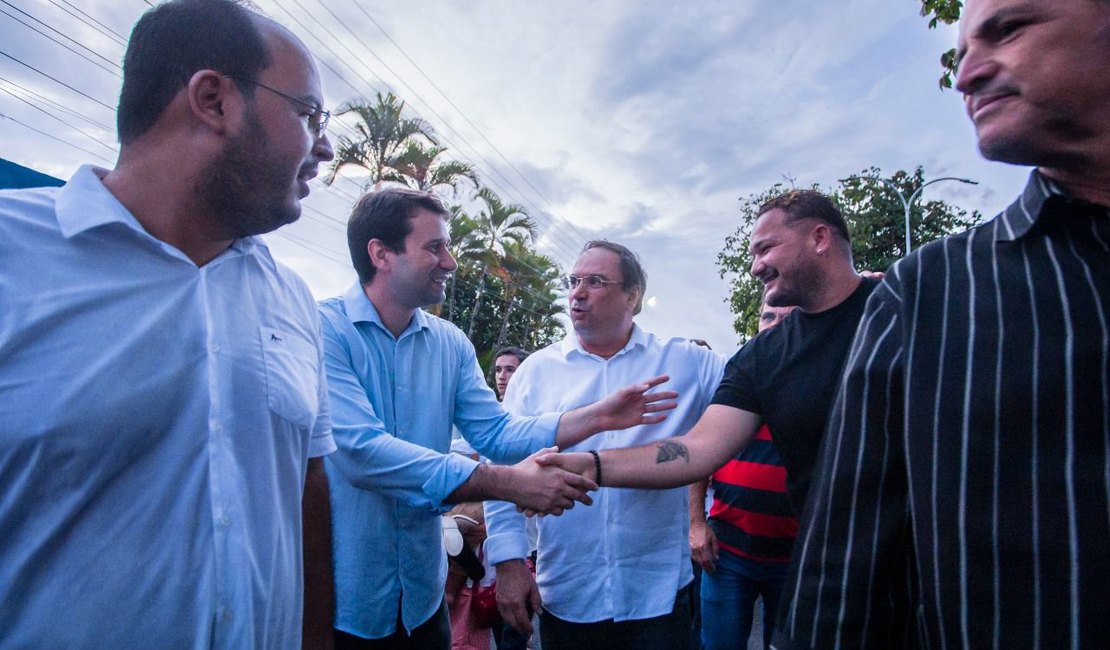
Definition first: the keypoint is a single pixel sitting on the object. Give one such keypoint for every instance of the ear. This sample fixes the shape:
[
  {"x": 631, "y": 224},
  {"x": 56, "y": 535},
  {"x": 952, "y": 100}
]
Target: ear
[
  {"x": 634, "y": 298},
  {"x": 211, "y": 99},
  {"x": 379, "y": 254},
  {"x": 821, "y": 236}
]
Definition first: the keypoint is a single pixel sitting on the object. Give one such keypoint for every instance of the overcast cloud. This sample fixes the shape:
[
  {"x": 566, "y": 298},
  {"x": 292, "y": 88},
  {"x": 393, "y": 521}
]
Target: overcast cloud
[{"x": 640, "y": 121}]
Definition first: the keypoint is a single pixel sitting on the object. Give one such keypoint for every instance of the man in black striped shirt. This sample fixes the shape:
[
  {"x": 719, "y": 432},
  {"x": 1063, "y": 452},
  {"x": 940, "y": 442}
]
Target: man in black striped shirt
[{"x": 970, "y": 438}]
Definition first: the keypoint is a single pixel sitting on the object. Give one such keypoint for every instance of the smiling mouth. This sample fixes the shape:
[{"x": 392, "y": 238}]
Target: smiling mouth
[{"x": 978, "y": 103}]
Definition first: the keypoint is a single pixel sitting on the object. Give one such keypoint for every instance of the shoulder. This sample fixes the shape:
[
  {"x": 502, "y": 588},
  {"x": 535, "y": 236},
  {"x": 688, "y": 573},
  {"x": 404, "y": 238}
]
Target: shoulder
[
  {"x": 544, "y": 357},
  {"x": 936, "y": 261},
  {"x": 294, "y": 285},
  {"x": 23, "y": 212},
  {"x": 444, "y": 329}
]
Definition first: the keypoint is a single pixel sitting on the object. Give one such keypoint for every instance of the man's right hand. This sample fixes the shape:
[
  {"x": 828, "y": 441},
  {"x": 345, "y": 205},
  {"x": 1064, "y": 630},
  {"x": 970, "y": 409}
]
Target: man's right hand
[
  {"x": 703, "y": 546},
  {"x": 547, "y": 489},
  {"x": 517, "y": 595}
]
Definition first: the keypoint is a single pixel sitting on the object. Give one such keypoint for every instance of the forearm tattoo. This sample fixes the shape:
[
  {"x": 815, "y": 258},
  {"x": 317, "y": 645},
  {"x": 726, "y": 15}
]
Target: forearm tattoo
[{"x": 669, "y": 451}]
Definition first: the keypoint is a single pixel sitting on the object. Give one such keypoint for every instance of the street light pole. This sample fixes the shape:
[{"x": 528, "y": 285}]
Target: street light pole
[{"x": 908, "y": 203}]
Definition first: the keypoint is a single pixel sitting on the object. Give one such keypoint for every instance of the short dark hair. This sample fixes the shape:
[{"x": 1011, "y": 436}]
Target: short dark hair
[
  {"x": 173, "y": 41},
  {"x": 632, "y": 272},
  {"x": 385, "y": 215},
  {"x": 808, "y": 204},
  {"x": 520, "y": 354}
]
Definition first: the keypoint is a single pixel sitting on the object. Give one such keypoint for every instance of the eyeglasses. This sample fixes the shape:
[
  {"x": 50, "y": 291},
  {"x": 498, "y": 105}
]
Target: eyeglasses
[
  {"x": 317, "y": 119},
  {"x": 593, "y": 282}
]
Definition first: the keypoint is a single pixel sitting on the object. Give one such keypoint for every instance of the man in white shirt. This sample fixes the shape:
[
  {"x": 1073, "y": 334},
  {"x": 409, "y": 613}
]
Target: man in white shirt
[
  {"x": 161, "y": 376},
  {"x": 617, "y": 574}
]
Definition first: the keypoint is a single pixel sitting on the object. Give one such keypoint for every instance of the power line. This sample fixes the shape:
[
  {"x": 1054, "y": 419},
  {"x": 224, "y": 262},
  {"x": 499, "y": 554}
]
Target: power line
[
  {"x": 55, "y": 105},
  {"x": 52, "y": 137},
  {"x": 51, "y": 38},
  {"x": 103, "y": 29},
  {"x": 327, "y": 219},
  {"x": 460, "y": 112},
  {"x": 493, "y": 168},
  {"x": 49, "y": 114},
  {"x": 57, "y": 81}
]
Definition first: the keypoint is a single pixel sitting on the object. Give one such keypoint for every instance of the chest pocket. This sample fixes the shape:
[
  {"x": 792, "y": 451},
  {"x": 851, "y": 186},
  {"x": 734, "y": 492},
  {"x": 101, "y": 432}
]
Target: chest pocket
[{"x": 292, "y": 376}]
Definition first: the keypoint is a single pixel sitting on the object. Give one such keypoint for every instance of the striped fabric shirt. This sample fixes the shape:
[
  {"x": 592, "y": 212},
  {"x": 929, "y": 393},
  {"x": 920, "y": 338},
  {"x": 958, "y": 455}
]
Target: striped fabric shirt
[
  {"x": 751, "y": 514},
  {"x": 969, "y": 443}
]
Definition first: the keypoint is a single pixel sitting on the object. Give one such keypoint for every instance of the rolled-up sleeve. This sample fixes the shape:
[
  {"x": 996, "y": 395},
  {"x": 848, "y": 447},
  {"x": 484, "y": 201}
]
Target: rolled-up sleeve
[{"x": 368, "y": 455}]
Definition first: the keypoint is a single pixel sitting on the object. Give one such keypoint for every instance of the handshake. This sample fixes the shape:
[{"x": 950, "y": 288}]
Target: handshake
[{"x": 547, "y": 482}]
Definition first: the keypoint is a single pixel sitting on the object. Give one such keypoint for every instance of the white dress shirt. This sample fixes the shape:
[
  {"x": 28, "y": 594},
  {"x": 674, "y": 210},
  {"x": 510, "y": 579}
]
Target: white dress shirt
[
  {"x": 156, "y": 420},
  {"x": 624, "y": 557}
]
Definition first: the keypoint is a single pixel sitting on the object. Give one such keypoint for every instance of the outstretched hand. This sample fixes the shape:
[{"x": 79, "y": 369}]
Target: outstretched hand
[
  {"x": 634, "y": 405},
  {"x": 548, "y": 489}
]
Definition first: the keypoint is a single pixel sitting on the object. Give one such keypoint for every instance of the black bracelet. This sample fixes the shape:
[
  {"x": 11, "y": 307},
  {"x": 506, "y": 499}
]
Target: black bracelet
[{"x": 597, "y": 466}]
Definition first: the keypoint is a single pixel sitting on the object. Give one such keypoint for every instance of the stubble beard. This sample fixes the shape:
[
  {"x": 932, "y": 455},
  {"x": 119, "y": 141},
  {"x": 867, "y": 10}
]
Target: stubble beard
[{"x": 244, "y": 191}]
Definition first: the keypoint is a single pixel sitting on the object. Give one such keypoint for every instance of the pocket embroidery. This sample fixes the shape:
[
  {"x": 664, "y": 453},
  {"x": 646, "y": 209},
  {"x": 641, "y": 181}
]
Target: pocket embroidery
[{"x": 291, "y": 376}]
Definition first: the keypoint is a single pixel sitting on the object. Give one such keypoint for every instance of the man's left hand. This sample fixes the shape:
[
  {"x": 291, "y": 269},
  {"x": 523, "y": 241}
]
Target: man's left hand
[{"x": 634, "y": 405}]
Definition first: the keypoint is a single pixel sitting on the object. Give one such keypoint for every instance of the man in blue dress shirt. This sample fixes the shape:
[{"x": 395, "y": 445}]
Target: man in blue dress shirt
[
  {"x": 399, "y": 379},
  {"x": 161, "y": 376}
]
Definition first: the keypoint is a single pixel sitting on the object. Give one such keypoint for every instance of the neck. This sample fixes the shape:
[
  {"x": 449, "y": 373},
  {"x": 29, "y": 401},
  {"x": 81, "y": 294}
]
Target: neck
[
  {"x": 604, "y": 347},
  {"x": 835, "y": 291},
  {"x": 1088, "y": 186},
  {"x": 394, "y": 315},
  {"x": 160, "y": 194}
]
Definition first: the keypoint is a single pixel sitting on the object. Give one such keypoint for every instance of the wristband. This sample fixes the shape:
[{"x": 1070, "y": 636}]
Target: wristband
[{"x": 597, "y": 465}]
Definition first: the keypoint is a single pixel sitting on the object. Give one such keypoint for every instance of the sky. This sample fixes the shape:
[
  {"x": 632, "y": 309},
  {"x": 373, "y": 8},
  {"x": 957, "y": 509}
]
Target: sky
[{"x": 640, "y": 121}]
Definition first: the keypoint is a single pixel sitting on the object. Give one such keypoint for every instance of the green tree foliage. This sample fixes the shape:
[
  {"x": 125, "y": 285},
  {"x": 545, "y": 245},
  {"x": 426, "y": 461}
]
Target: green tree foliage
[
  {"x": 507, "y": 295},
  {"x": 503, "y": 292},
  {"x": 423, "y": 167},
  {"x": 384, "y": 133},
  {"x": 947, "y": 12},
  {"x": 876, "y": 222}
]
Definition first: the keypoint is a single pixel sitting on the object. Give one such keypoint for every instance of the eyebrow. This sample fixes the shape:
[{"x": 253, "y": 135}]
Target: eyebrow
[{"x": 991, "y": 23}]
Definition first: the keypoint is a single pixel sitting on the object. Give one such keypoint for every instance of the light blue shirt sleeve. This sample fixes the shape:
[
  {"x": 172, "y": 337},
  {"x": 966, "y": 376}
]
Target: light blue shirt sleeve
[
  {"x": 485, "y": 424},
  {"x": 506, "y": 537},
  {"x": 369, "y": 457}
]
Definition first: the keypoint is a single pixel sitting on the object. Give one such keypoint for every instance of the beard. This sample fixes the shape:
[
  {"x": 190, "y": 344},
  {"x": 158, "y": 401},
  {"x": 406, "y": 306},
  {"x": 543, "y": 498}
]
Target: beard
[
  {"x": 806, "y": 280},
  {"x": 246, "y": 191}
]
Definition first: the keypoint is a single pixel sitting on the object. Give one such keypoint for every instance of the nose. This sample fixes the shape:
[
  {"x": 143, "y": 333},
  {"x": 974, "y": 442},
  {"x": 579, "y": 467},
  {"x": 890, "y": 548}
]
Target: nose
[
  {"x": 758, "y": 266},
  {"x": 579, "y": 292},
  {"x": 447, "y": 262},
  {"x": 321, "y": 149},
  {"x": 974, "y": 70}
]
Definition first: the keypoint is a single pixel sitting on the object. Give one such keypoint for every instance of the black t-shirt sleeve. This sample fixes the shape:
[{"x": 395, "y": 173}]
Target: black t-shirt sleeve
[{"x": 738, "y": 387}]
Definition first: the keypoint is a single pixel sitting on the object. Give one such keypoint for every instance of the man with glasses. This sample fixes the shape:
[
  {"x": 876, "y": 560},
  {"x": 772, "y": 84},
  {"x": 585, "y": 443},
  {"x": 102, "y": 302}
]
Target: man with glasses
[
  {"x": 399, "y": 379},
  {"x": 617, "y": 574},
  {"x": 161, "y": 376}
]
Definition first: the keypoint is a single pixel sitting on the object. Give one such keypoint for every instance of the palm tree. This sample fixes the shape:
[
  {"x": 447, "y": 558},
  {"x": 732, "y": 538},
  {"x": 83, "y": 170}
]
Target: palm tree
[
  {"x": 383, "y": 133},
  {"x": 499, "y": 224},
  {"x": 419, "y": 167},
  {"x": 466, "y": 248},
  {"x": 530, "y": 282}
]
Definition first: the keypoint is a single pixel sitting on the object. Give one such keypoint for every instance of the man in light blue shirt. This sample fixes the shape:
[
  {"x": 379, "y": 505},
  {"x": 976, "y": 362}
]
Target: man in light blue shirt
[
  {"x": 398, "y": 379},
  {"x": 161, "y": 376},
  {"x": 617, "y": 574}
]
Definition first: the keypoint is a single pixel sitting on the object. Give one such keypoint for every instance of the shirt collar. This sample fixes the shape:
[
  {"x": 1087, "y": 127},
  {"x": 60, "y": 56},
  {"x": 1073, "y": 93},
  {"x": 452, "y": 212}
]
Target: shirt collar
[
  {"x": 1040, "y": 196},
  {"x": 571, "y": 344},
  {"x": 84, "y": 203},
  {"x": 360, "y": 309}
]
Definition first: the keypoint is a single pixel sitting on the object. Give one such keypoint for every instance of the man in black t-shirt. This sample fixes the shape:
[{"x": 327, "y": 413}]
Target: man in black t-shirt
[{"x": 786, "y": 376}]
